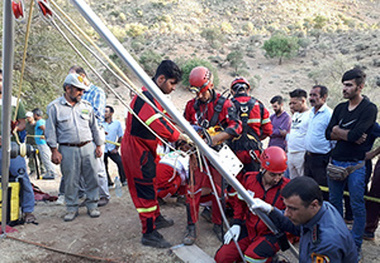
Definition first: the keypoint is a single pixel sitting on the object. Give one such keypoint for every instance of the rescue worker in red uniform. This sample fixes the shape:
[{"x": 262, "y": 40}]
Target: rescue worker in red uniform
[
  {"x": 208, "y": 109},
  {"x": 256, "y": 241},
  {"x": 255, "y": 121},
  {"x": 138, "y": 152}
]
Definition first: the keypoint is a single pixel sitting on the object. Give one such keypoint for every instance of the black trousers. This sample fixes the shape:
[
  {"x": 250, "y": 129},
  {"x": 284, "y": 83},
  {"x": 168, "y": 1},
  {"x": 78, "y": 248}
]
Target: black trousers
[
  {"x": 315, "y": 167},
  {"x": 116, "y": 158}
]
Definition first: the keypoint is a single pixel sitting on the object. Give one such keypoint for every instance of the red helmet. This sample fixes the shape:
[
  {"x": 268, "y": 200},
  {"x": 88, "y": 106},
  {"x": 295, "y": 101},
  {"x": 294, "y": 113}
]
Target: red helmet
[
  {"x": 240, "y": 83},
  {"x": 200, "y": 79},
  {"x": 273, "y": 159}
]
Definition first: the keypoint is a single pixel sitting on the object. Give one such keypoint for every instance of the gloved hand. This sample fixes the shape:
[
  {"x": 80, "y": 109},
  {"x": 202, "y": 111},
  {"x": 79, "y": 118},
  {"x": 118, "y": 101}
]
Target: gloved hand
[
  {"x": 263, "y": 206},
  {"x": 232, "y": 233}
]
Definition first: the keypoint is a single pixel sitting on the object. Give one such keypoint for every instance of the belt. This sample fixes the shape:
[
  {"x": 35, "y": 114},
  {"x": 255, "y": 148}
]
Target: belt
[
  {"x": 75, "y": 144},
  {"x": 317, "y": 154}
]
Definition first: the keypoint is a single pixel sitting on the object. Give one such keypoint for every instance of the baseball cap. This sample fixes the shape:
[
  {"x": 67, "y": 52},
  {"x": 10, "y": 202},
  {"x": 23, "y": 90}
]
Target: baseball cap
[
  {"x": 75, "y": 80},
  {"x": 29, "y": 114}
]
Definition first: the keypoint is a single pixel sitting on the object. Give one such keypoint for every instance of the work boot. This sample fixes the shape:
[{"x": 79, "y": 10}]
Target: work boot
[
  {"x": 369, "y": 236},
  {"x": 190, "y": 236},
  {"x": 154, "y": 239},
  {"x": 218, "y": 231},
  {"x": 161, "y": 222},
  {"x": 206, "y": 214},
  {"x": 94, "y": 212},
  {"x": 70, "y": 216}
]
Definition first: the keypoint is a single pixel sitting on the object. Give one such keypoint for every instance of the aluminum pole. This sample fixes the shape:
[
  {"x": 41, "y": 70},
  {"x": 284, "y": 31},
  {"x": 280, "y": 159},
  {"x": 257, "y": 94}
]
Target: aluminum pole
[
  {"x": 123, "y": 54},
  {"x": 8, "y": 43}
]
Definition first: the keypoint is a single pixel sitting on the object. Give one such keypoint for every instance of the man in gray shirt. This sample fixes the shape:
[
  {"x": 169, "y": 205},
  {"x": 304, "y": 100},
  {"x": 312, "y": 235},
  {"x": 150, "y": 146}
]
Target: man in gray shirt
[{"x": 72, "y": 125}]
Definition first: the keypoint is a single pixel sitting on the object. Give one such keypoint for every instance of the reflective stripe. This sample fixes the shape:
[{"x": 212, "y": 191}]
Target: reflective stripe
[
  {"x": 265, "y": 121},
  {"x": 147, "y": 210},
  {"x": 232, "y": 194},
  {"x": 189, "y": 192},
  {"x": 252, "y": 260},
  {"x": 153, "y": 118},
  {"x": 254, "y": 121}
]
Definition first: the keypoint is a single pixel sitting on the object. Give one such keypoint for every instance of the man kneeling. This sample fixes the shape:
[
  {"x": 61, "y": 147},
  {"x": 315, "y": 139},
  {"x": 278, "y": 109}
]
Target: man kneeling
[{"x": 256, "y": 241}]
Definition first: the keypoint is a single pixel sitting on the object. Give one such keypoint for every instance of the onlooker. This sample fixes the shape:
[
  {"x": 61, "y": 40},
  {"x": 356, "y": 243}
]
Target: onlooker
[
  {"x": 72, "y": 124},
  {"x": 256, "y": 241},
  {"x": 97, "y": 98},
  {"x": 114, "y": 133},
  {"x": 208, "y": 109},
  {"x": 138, "y": 153},
  {"x": 281, "y": 122},
  {"x": 255, "y": 121},
  {"x": 296, "y": 137},
  {"x": 43, "y": 149},
  {"x": 373, "y": 208},
  {"x": 29, "y": 127},
  {"x": 324, "y": 235},
  {"x": 350, "y": 124},
  {"x": 318, "y": 149},
  {"x": 17, "y": 166}
]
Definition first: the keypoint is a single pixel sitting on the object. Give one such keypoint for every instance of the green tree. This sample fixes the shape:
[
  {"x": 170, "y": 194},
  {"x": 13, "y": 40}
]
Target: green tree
[
  {"x": 236, "y": 59},
  {"x": 281, "y": 46}
]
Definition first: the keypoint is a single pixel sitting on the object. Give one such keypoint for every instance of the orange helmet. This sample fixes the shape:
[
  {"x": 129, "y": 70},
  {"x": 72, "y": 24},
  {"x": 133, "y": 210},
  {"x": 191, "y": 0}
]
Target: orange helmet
[
  {"x": 273, "y": 159},
  {"x": 200, "y": 79},
  {"x": 240, "y": 83}
]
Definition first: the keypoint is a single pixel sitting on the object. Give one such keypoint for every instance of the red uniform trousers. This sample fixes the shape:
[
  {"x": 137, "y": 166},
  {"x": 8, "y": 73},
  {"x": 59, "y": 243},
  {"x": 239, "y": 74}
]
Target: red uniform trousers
[
  {"x": 140, "y": 170},
  {"x": 193, "y": 196},
  {"x": 168, "y": 181},
  {"x": 261, "y": 247}
]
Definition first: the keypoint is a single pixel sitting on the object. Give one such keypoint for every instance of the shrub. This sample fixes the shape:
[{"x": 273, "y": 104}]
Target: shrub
[
  {"x": 236, "y": 59},
  {"x": 280, "y": 46},
  {"x": 150, "y": 61}
]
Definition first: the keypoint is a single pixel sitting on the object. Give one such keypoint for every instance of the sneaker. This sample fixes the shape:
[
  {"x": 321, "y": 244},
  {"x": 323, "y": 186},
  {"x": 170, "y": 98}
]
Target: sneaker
[
  {"x": 218, "y": 231},
  {"x": 161, "y": 222},
  {"x": 154, "y": 239},
  {"x": 103, "y": 201},
  {"x": 369, "y": 236},
  {"x": 207, "y": 214},
  {"x": 93, "y": 212},
  {"x": 70, "y": 216},
  {"x": 190, "y": 236},
  {"x": 60, "y": 200}
]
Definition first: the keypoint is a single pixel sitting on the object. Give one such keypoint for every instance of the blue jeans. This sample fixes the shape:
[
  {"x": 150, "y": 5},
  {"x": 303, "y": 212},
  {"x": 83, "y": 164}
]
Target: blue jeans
[
  {"x": 356, "y": 187},
  {"x": 18, "y": 169}
]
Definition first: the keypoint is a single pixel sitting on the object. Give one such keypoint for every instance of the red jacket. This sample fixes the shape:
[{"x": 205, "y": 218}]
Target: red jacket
[
  {"x": 137, "y": 132},
  {"x": 252, "y": 182},
  {"x": 197, "y": 113},
  {"x": 259, "y": 119}
]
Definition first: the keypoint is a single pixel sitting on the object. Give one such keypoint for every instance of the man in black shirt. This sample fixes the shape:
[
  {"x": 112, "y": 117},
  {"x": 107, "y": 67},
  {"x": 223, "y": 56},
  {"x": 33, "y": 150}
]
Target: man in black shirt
[{"x": 350, "y": 124}]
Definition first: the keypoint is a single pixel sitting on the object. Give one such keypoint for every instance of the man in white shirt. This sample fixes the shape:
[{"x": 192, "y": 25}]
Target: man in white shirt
[{"x": 296, "y": 137}]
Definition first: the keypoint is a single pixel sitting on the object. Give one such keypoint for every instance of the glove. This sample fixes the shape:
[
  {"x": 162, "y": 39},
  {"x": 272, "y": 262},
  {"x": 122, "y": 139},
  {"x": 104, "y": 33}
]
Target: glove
[
  {"x": 232, "y": 233},
  {"x": 261, "y": 205}
]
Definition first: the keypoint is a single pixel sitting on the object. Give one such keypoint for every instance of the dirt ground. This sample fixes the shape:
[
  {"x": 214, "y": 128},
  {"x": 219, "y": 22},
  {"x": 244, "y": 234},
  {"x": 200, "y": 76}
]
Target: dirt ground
[{"x": 116, "y": 234}]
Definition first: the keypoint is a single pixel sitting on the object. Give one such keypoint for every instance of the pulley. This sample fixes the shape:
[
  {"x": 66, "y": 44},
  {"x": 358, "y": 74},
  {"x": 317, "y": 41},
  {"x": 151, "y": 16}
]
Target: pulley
[{"x": 18, "y": 10}]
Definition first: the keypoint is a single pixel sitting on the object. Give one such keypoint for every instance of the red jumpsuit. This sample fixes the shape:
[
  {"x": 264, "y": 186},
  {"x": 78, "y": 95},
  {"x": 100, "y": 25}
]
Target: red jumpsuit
[
  {"x": 138, "y": 152},
  {"x": 201, "y": 114},
  {"x": 256, "y": 240},
  {"x": 258, "y": 121}
]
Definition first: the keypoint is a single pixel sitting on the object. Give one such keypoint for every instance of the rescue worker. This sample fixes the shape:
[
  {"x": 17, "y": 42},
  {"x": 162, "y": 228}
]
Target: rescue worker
[
  {"x": 324, "y": 235},
  {"x": 138, "y": 152},
  {"x": 256, "y": 125},
  {"x": 256, "y": 241},
  {"x": 209, "y": 109}
]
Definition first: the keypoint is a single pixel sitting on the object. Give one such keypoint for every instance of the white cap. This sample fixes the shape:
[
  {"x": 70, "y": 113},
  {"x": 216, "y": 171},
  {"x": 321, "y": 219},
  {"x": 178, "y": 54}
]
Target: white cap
[
  {"x": 29, "y": 114},
  {"x": 75, "y": 80}
]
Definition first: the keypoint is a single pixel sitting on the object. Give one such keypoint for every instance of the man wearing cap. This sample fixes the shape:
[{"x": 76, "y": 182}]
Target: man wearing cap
[
  {"x": 70, "y": 128},
  {"x": 350, "y": 124},
  {"x": 209, "y": 109}
]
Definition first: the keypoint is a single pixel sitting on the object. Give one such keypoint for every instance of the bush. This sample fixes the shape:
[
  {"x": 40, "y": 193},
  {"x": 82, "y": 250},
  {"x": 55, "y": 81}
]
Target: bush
[
  {"x": 188, "y": 65},
  {"x": 150, "y": 61},
  {"x": 236, "y": 59},
  {"x": 280, "y": 46}
]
